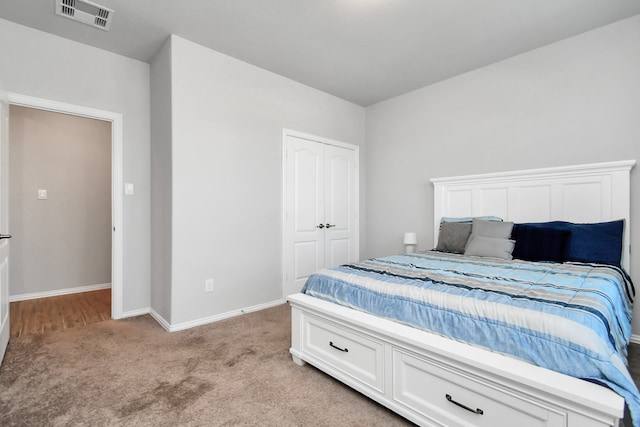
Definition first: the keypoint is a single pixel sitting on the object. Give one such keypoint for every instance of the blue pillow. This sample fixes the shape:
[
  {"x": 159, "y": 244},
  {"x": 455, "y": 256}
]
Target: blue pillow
[
  {"x": 536, "y": 242},
  {"x": 597, "y": 242}
]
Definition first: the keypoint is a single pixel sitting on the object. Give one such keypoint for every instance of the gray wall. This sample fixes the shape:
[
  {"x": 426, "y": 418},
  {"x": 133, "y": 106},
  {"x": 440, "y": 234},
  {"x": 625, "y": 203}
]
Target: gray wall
[
  {"x": 161, "y": 189},
  {"x": 575, "y": 101},
  {"x": 38, "y": 64},
  {"x": 227, "y": 120},
  {"x": 572, "y": 102},
  {"x": 64, "y": 241}
]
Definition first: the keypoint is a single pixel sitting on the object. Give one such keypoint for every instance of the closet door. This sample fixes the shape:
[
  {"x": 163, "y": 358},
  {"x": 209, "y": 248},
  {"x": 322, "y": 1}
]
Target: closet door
[
  {"x": 340, "y": 206},
  {"x": 320, "y": 208},
  {"x": 304, "y": 211}
]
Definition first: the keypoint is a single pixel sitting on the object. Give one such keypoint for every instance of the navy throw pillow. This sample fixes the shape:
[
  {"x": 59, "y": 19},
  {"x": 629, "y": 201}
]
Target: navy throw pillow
[
  {"x": 535, "y": 242},
  {"x": 599, "y": 242}
]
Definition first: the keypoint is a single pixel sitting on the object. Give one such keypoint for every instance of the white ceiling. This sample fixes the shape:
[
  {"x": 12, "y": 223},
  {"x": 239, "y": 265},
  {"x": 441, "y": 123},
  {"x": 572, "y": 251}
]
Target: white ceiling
[{"x": 363, "y": 51}]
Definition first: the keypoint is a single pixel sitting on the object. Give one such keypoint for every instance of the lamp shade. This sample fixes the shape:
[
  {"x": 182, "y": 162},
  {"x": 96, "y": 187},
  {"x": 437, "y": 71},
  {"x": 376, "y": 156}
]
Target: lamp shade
[{"x": 410, "y": 238}]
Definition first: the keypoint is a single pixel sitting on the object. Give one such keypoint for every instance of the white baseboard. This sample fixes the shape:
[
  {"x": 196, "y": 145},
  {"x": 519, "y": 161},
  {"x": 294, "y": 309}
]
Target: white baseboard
[
  {"x": 161, "y": 320},
  {"x": 134, "y": 313},
  {"x": 635, "y": 339},
  {"x": 58, "y": 292},
  {"x": 205, "y": 320}
]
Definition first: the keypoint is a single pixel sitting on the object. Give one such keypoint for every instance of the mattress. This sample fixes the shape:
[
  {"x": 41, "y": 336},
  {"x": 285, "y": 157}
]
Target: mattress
[{"x": 573, "y": 318}]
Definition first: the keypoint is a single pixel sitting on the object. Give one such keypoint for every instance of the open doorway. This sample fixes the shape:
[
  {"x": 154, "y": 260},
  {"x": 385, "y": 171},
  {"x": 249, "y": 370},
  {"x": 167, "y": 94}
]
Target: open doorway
[
  {"x": 60, "y": 217},
  {"x": 113, "y": 216}
]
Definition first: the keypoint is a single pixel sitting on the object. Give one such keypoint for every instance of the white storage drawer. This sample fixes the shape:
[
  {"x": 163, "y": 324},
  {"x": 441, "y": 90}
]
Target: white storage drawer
[
  {"x": 411, "y": 371},
  {"x": 450, "y": 397},
  {"x": 335, "y": 347}
]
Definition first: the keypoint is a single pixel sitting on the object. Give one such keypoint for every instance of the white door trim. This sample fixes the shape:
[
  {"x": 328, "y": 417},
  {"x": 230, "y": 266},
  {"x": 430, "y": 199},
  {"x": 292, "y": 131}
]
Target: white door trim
[
  {"x": 321, "y": 140},
  {"x": 117, "y": 202}
]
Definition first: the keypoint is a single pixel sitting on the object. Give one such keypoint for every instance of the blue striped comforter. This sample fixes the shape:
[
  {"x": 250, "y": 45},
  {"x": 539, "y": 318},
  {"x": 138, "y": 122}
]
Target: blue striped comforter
[{"x": 572, "y": 318}]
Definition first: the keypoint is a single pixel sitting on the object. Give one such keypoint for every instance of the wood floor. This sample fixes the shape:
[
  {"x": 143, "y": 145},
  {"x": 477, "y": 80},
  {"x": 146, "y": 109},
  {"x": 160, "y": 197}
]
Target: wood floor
[{"x": 38, "y": 316}]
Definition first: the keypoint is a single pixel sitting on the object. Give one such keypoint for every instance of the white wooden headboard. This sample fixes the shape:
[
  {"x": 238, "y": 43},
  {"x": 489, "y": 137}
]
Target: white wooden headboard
[{"x": 583, "y": 193}]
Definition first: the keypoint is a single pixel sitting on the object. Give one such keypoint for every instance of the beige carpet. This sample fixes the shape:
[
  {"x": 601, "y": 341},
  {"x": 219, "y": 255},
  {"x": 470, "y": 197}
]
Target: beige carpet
[
  {"x": 132, "y": 372},
  {"x": 237, "y": 372}
]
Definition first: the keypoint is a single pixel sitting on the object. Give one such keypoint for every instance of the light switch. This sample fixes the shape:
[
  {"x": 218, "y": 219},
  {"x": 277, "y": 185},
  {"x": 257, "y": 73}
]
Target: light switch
[
  {"x": 42, "y": 194},
  {"x": 128, "y": 189}
]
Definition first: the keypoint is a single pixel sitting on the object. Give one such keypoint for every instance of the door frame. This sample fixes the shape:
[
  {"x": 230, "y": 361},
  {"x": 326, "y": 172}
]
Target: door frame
[
  {"x": 117, "y": 196},
  {"x": 320, "y": 140},
  {"x": 5, "y": 306}
]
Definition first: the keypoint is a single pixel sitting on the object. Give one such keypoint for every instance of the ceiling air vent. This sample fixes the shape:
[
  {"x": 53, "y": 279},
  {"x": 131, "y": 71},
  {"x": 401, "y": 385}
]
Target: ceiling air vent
[{"x": 85, "y": 12}]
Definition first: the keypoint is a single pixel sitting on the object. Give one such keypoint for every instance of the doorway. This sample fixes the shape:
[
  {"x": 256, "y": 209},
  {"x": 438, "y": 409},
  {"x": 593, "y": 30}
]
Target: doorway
[
  {"x": 116, "y": 202},
  {"x": 59, "y": 216}
]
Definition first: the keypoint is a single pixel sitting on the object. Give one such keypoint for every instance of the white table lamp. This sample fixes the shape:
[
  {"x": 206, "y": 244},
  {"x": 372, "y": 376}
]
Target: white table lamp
[{"x": 410, "y": 242}]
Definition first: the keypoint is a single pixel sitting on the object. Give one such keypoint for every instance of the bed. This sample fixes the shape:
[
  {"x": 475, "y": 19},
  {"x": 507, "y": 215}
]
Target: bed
[{"x": 490, "y": 365}]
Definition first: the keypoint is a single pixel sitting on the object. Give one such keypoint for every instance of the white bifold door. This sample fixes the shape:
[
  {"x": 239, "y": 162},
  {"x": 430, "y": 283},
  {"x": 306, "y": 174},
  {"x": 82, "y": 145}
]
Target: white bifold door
[{"x": 321, "y": 206}]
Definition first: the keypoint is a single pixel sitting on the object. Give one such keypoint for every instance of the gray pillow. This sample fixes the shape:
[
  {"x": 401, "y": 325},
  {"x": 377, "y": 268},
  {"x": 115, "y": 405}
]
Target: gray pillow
[
  {"x": 468, "y": 219},
  {"x": 490, "y": 247},
  {"x": 496, "y": 229},
  {"x": 453, "y": 237}
]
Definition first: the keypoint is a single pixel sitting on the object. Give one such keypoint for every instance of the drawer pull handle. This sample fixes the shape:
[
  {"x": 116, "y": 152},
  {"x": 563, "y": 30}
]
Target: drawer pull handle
[
  {"x": 475, "y": 411},
  {"x": 346, "y": 350}
]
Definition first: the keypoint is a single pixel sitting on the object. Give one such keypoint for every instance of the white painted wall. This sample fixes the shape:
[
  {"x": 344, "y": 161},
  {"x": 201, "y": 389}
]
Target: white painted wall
[
  {"x": 62, "y": 242},
  {"x": 38, "y": 64},
  {"x": 227, "y": 123},
  {"x": 575, "y": 101},
  {"x": 161, "y": 188}
]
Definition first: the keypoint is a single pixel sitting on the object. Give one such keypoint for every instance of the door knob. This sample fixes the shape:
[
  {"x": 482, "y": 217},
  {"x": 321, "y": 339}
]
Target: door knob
[
  {"x": 329, "y": 225},
  {"x": 5, "y": 236},
  {"x": 320, "y": 226}
]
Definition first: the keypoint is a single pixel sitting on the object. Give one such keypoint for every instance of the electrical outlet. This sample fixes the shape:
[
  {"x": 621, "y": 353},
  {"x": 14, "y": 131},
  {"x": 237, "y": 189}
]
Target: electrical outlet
[{"x": 208, "y": 285}]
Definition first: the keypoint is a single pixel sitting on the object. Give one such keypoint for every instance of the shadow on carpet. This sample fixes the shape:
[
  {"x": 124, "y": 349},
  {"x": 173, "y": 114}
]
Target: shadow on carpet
[{"x": 132, "y": 372}]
